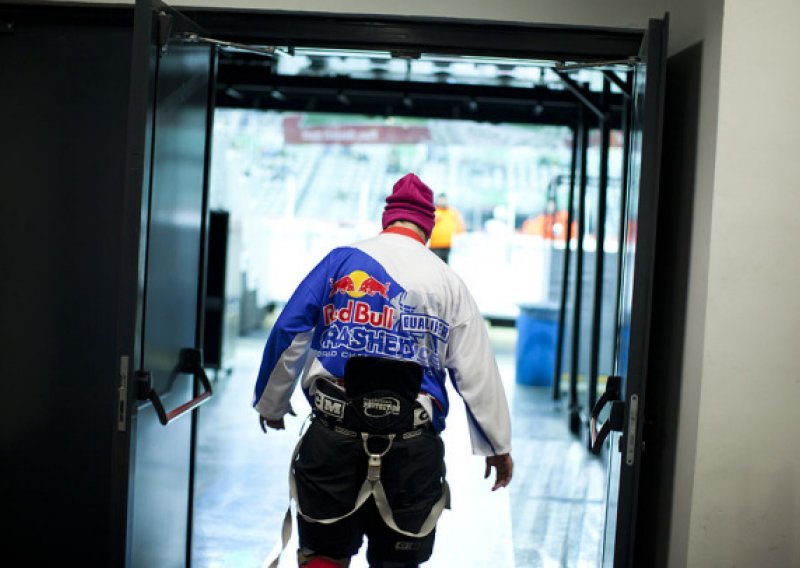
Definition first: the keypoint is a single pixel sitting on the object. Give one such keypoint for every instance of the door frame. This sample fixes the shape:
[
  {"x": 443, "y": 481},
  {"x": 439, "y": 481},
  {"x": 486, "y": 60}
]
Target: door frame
[
  {"x": 397, "y": 34},
  {"x": 131, "y": 293},
  {"x": 578, "y": 43},
  {"x": 133, "y": 265},
  {"x": 410, "y": 36},
  {"x": 636, "y": 372}
]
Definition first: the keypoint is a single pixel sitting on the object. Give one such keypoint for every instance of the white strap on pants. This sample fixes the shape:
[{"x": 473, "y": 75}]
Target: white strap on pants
[{"x": 372, "y": 486}]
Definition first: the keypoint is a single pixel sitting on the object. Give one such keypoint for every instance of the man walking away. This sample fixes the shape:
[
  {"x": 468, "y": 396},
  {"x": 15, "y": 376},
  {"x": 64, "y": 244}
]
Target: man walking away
[{"x": 372, "y": 333}]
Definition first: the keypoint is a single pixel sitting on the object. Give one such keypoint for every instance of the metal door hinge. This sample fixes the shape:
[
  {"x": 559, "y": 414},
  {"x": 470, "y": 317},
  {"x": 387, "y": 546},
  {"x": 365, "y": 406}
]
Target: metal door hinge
[{"x": 122, "y": 395}]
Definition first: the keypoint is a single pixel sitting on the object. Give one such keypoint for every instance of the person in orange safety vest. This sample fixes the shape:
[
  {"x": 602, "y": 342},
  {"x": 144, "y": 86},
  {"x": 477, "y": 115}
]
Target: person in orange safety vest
[{"x": 448, "y": 223}]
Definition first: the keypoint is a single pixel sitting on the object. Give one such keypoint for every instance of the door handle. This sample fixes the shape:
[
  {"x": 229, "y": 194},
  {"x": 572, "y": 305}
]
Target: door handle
[
  {"x": 616, "y": 418},
  {"x": 190, "y": 361}
]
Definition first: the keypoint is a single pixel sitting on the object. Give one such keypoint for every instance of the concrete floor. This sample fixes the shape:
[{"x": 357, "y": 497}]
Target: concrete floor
[{"x": 551, "y": 515}]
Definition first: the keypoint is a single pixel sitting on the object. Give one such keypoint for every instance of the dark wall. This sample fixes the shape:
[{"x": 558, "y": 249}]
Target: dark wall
[
  {"x": 63, "y": 110},
  {"x": 676, "y": 200}
]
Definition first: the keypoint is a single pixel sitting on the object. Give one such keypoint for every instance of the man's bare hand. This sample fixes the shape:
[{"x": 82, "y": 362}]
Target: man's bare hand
[
  {"x": 274, "y": 424},
  {"x": 504, "y": 467}
]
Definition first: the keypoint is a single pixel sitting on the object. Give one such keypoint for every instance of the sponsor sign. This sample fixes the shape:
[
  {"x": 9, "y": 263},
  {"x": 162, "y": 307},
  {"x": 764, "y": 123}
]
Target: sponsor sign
[{"x": 294, "y": 132}]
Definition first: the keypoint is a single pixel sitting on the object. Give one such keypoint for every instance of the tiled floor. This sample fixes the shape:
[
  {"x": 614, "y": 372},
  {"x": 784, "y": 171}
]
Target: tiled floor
[{"x": 550, "y": 516}]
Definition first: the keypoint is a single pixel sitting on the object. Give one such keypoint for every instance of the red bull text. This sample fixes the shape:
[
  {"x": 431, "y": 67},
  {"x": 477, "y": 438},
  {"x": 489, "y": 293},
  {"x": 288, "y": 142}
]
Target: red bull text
[{"x": 359, "y": 313}]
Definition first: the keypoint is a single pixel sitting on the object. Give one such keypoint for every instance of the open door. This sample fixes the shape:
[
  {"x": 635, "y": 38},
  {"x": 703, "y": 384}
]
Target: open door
[
  {"x": 169, "y": 128},
  {"x": 625, "y": 392}
]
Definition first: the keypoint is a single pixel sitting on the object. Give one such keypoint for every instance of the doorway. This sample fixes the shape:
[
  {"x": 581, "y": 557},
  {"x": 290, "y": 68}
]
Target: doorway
[
  {"x": 122, "y": 377},
  {"x": 295, "y": 183}
]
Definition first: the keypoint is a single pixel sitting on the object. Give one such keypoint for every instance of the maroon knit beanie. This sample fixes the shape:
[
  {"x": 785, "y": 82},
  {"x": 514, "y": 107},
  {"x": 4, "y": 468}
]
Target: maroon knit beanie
[{"x": 410, "y": 200}]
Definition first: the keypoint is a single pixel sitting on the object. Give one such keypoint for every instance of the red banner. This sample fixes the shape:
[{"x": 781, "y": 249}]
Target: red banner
[{"x": 295, "y": 133}]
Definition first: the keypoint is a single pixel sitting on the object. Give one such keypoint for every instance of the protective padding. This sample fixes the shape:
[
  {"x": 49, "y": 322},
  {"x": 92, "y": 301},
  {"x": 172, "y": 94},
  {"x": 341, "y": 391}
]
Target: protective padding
[
  {"x": 363, "y": 375},
  {"x": 382, "y": 392}
]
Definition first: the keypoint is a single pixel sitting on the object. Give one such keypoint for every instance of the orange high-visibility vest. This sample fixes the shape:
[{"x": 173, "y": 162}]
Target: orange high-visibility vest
[{"x": 448, "y": 223}]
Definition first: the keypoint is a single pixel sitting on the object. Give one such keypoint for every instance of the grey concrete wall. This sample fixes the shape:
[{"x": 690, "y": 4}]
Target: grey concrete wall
[
  {"x": 692, "y": 23},
  {"x": 745, "y": 505}
]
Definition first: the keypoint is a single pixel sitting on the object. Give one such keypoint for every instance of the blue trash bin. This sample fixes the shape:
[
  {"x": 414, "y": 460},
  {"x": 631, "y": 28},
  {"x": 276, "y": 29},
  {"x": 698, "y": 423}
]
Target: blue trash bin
[{"x": 537, "y": 333}]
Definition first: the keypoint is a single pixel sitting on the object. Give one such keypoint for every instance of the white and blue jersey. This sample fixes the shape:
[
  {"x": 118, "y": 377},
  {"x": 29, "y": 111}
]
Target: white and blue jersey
[{"x": 388, "y": 296}]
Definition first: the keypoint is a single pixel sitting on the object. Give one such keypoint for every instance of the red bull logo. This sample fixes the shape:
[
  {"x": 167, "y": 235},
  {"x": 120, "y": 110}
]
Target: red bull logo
[
  {"x": 370, "y": 286},
  {"x": 359, "y": 313},
  {"x": 358, "y": 284},
  {"x": 344, "y": 285}
]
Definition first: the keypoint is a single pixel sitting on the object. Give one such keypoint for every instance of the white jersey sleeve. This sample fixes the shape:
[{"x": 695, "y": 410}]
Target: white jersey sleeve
[{"x": 474, "y": 374}]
